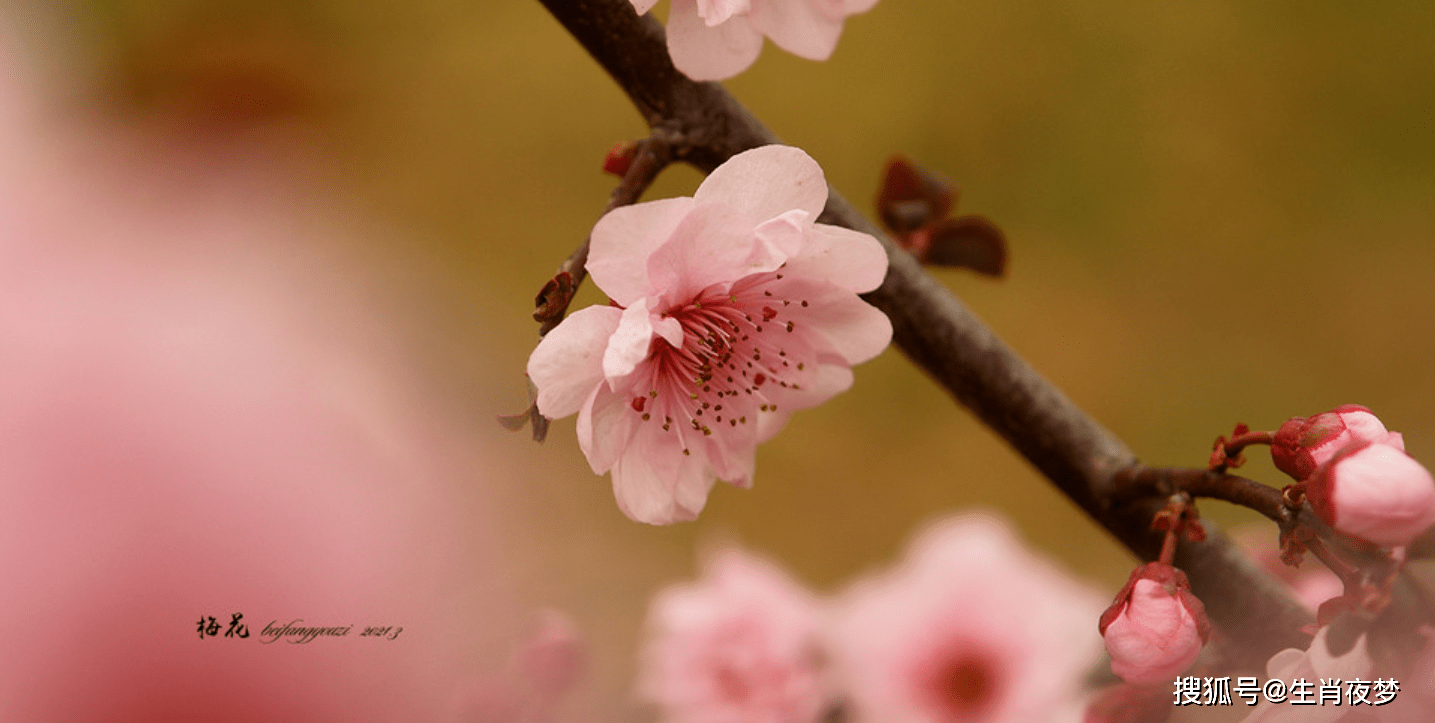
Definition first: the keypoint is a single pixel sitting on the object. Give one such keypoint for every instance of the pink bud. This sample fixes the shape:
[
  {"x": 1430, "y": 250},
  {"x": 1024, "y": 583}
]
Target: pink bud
[
  {"x": 1374, "y": 492},
  {"x": 1156, "y": 627},
  {"x": 1304, "y": 443}
]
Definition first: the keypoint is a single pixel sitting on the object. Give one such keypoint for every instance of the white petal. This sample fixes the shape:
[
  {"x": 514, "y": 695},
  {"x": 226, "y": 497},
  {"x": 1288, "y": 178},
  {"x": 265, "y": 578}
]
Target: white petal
[
  {"x": 849, "y": 259},
  {"x": 606, "y": 425},
  {"x": 798, "y": 26},
  {"x": 710, "y": 53},
  {"x": 568, "y": 363},
  {"x": 622, "y": 241},
  {"x": 628, "y": 345},
  {"x": 767, "y": 182},
  {"x": 654, "y": 482}
]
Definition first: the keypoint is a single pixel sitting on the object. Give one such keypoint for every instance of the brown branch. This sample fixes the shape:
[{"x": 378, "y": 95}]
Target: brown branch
[
  {"x": 939, "y": 334},
  {"x": 651, "y": 156}
]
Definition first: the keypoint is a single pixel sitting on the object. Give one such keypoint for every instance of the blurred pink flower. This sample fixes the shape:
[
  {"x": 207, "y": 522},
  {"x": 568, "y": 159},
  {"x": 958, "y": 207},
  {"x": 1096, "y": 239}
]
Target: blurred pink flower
[
  {"x": 1314, "y": 665},
  {"x": 202, "y": 415},
  {"x": 731, "y": 309},
  {"x": 738, "y": 646},
  {"x": 1156, "y": 628},
  {"x": 1374, "y": 492},
  {"x": 1304, "y": 443},
  {"x": 717, "y": 39},
  {"x": 971, "y": 627},
  {"x": 544, "y": 668}
]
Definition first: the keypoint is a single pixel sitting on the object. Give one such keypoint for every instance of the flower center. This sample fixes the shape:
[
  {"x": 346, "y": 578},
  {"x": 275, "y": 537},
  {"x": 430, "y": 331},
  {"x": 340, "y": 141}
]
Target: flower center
[
  {"x": 964, "y": 685},
  {"x": 738, "y": 352}
]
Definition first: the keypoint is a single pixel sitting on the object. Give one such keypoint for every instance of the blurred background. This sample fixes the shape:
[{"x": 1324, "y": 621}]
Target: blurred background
[{"x": 1218, "y": 212}]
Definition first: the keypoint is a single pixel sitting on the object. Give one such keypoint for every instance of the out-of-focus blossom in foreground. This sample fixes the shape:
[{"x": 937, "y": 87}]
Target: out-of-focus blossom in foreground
[
  {"x": 200, "y": 417},
  {"x": 739, "y": 646},
  {"x": 1303, "y": 444},
  {"x": 971, "y": 627},
  {"x": 1156, "y": 627},
  {"x": 732, "y": 309},
  {"x": 544, "y": 668},
  {"x": 1374, "y": 492},
  {"x": 717, "y": 39},
  {"x": 1314, "y": 665}
]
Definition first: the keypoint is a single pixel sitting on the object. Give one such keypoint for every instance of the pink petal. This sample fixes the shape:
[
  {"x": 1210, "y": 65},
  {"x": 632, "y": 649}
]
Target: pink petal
[
  {"x": 712, "y": 245},
  {"x": 643, "y": 6},
  {"x": 716, "y": 12},
  {"x": 848, "y": 259},
  {"x": 656, "y": 483},
  {"x": 732, "y": 451},
  {"x": 568, "y": 364},
  {"x": 854, "y": 7},
  {"x": 710, "y": 53},
  {"x": 770, "y": 423},
  {"x": 850, "y": 326},
  {"x": 766, "y": 182},
  {"x": 623, "y": 240},
  {"x": 629, "y": 343},
  {"x": 606, "y": 425},
  {"x": 821, "y": 381},
  {"x": 797, "y": 26},
  {"x": 780, "y": 238}
]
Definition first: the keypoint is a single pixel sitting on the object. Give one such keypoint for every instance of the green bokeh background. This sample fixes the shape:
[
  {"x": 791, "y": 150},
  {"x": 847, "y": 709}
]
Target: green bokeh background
[{"x": 1218, "y": 212}]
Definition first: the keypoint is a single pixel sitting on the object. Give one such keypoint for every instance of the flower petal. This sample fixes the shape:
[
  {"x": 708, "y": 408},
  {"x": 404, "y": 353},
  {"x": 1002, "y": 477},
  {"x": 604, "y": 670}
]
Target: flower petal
[
  {"x": 849, "y": 259},
  {"x": 779, "y": 238},
  {"x": 643, "y": 6},
  {"x": 654, "y": 482},
  {"x": 710, "y": 53},
  {"x": 606, "y": 425},
  {"x": 712, "y": 245},
  {"x": 800, "y": 27},
  {"x": 850, "y": 326},
  {"x": 568, "y": 363},
  {"x": 622, "y": 241},
  {"x": 766, "y": 182},
  {"x": 628, "y": 345},
  {"x": 854, "y": 7}
]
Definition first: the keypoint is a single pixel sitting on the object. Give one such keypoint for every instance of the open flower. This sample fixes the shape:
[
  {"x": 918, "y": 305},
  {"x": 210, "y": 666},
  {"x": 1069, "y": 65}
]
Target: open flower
[
  {"x": 739, "y": 646},
  {"x": 1156, "y": 627},
  {"x": 971, "y": 627},
  {"x": 1303, "y": 444},
  {"x": 730, "y": 310},
  {"x": 1374, "y": 492},
  {"x": 717, "y": 39}
]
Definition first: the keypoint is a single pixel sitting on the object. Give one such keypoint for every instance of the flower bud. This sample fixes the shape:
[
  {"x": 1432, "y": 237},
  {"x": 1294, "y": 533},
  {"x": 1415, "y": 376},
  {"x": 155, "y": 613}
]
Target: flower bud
[
  {"x": 1156, "y": 627},
  {"x": 1374, "y": 492},
  {"x": 1303, "y": 444}
]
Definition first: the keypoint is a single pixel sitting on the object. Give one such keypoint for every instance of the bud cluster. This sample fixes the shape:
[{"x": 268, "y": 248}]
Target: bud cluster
[{"x": 1357, "y": 475}]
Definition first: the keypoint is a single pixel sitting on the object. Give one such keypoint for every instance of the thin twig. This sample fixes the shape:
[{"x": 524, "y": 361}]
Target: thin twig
[{"x": 651, "y": 156}]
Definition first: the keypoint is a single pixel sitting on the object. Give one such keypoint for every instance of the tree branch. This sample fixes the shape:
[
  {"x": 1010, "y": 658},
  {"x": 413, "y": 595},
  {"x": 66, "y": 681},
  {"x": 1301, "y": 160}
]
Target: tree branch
[{"x": 944, "y": 338}]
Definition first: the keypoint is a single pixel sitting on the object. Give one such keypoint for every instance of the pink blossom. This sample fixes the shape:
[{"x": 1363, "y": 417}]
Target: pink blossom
[
  {"x": 731, "y": 309},
  {"x": 202, "y": 415},
  {"x": 1304, "y": 443},
  {"x": 1156, "y": 627},
  {"x": 739, "y": 646},
  {"x": 1374, "y": 492},
  {"x": 717, "y": 39},
  {"x": 970, "y": 627}
]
